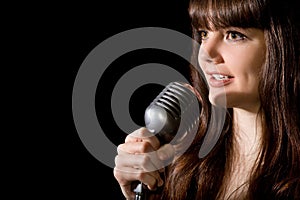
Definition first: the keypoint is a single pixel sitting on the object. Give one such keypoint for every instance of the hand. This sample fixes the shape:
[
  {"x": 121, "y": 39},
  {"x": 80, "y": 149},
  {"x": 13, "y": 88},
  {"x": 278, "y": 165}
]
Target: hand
[{"x": 141, "y": 158}]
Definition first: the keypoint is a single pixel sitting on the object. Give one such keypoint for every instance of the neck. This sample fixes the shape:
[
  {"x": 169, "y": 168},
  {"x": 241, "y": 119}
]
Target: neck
[
  {"x": 247, "y": 143},
  {"x": 247, "y": 131}
]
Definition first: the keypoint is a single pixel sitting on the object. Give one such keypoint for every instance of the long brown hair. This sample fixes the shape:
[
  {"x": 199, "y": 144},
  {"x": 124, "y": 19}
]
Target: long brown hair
[{"x": 277, "y": 173}]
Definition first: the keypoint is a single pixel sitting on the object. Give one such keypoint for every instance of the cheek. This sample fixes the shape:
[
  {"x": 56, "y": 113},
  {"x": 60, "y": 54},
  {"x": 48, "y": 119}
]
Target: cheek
[
  {"x": 248, "y": 62},
  {"x": 200, "y": 61}
]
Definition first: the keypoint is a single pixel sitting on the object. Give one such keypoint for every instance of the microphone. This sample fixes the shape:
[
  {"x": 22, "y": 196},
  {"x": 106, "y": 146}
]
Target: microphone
[{"x": 172, "y": 115}]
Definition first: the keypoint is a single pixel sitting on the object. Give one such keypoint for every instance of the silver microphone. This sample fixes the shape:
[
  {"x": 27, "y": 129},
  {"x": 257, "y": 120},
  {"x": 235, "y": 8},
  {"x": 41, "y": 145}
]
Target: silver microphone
[
  {"x": 171, "y": 116},
  {"x": 173, "y": 113}
]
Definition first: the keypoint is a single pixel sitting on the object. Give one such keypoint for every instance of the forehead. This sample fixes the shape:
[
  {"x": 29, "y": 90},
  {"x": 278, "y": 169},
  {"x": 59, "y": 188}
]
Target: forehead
[{"x": 225, "y": 13}]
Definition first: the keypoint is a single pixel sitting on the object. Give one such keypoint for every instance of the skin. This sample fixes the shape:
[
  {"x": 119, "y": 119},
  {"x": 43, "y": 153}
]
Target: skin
[
  {"x": 237, "y": 53},
  {"x": 140, "y": 158}
]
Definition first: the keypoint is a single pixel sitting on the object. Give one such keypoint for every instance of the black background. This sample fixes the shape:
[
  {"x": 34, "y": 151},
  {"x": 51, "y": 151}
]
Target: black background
[
  {"x": 61, "y": 35},
  {"x": 85, "y": 28}
]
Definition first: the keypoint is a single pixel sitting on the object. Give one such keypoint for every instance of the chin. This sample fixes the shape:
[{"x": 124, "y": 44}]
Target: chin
[{"x": 218, "y": 100}]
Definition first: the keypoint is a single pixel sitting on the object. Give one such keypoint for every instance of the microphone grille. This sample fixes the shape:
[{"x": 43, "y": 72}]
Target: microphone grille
[{"x": 174, "y": 111}]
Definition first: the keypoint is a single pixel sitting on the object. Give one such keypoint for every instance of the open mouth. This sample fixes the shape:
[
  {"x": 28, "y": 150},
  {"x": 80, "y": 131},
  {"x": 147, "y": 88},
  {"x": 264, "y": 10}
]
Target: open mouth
[{"x": 220, "y": 77}]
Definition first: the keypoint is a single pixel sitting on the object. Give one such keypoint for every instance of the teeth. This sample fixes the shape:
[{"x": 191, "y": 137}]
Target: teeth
[{"x": 220, "y": 77}]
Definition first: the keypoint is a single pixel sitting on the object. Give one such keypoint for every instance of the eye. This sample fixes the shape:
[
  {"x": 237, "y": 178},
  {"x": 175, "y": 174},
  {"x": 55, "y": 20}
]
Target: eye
[
  {"x": 203, "y": 34},
  {"x": 235, "y": 36}
]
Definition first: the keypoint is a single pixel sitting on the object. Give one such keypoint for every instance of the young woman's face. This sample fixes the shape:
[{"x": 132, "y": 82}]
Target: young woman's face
[{"x": 231, "y": 60}]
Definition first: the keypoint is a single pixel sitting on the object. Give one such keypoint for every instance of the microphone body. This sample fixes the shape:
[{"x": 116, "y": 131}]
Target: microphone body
[{"x": 170, "y": 117}]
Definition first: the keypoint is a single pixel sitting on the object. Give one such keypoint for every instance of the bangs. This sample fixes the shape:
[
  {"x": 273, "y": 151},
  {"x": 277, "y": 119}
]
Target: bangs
[{"x": 216, "y": 14}]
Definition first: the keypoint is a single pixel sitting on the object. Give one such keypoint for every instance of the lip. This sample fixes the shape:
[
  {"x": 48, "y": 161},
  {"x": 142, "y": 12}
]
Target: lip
[
  {"x": 219, "y": 83},
  {"x": 213, "y": 82}
]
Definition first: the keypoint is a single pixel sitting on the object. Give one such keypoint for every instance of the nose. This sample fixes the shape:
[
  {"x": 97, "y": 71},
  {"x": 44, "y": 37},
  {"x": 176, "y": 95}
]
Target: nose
[{"x": 211, "y": 50}]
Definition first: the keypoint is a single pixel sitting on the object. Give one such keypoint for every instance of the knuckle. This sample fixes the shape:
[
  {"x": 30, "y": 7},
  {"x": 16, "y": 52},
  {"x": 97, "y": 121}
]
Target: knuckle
[
  {"x": 144, "y": 132},
  {"x": 145, "y": 147},
  {"x": 116, "y": 160},
  {"x": 118, "y": 176},
  {"x": 117, "y": 173},
  {"x": 120, "y": 148},
  {"x": 140, "y": 176}
]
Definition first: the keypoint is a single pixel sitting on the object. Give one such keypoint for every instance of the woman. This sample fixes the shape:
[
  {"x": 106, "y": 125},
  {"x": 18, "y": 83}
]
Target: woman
[{"x": 249, "y": 54}]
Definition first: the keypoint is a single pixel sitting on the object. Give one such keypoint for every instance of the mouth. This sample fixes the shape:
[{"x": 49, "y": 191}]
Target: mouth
[
  {"x": 220, "y": 80},
  {"x": 220, "y": 77}
]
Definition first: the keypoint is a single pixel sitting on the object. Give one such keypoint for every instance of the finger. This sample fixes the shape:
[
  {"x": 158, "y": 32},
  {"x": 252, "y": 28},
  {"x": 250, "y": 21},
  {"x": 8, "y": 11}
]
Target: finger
[
  {"x": 144, "y": 162},
  {"x": 152, "y": 179},
  {"x": 142, "y": 135},
  {"x": 135, "y": 148},
  {"x": 127, "y": 192},
  {"x": 125, "y": 184},
  {"x": 166, "y": 152}
]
